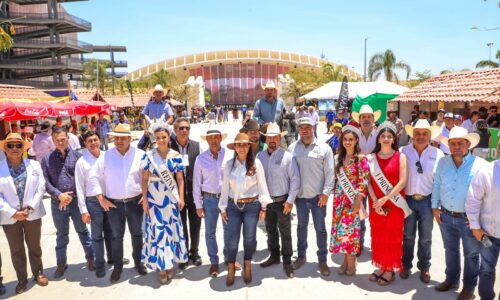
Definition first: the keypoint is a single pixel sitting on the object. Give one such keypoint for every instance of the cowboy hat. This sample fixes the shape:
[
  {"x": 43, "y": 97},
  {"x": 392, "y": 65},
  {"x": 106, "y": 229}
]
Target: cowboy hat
[
  {"x": 45, "y": 126},
  {"x": 269, "y": 85},
  {"x": 423, "y": 124},
  {"x": 15, "y": 137},
  {"x": 273, "y": 130},
  {"x": 459, "y": 132},
  {"x": 241, "y": 138},
  {"x": 251, "y": 124},
  {"x": 366, "y": 109},
  {"x": 158, "y": 88},
  {"x": 121, "y": 130},
  {"x": 213, "y": 131}
]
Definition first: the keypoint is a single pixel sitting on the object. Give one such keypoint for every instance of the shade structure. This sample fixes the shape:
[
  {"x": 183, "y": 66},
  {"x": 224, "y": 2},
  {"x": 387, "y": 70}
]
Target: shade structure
[
  {"x": 331, "y": 90},
  {"x": 377, "y": 101},
  {"x": 83, "y": 108}
]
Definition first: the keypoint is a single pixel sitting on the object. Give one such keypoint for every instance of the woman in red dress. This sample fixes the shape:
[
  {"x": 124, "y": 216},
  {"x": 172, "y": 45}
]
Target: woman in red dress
[{"x": 387, "y": 219}]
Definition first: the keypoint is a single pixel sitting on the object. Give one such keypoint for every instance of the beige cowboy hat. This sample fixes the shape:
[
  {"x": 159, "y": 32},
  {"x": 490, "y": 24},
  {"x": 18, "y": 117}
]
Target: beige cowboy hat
[
  {"x": 458, "y": 132},
  {"x": 15, "y": 138},
  {"x": 158, "y": 88},
  {"x": 273, "y": 129},
  {"x": 366, "y": 109},
  {"x": 121, "y": 130},
  {"x": 269, "y": 85},
  {"x": 241, "y": 138},
  {"x": 213, "y": 131},
  {"x": 423, "y": 124}
]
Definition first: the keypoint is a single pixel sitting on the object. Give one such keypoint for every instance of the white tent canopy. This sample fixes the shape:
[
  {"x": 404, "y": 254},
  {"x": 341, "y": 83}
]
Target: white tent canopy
[{"x": 331, "y": 90}]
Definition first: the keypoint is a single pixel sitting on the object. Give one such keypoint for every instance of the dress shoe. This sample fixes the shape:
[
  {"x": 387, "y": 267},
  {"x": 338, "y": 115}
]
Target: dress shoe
[
  {"x": 405, "y": 273},
  {"x": 141, "y": 269},
  {"x": 60, "y": 271},
  {"x": 288, "y": 270},
  {"x": 3, "y": 290},
  {"x": 466, "y": 295},
  {"x": 230, "y": 274},
  {"x": 323, "y": 269},
  {"x": 125, "y": 261},
  {"x": 100, "y": 272},
  {"x": 115, "y": 276},
  {"x": 91, "y": 265},
  {"x": 298, "y": 263},
  {"x": 272, "y": 260},
  {"x": 247, "y": 271},
  {"x": 196, "y": 260},
  {"x": 214, "y": 270},
  {"x": 425, "y": 276},
  {"x": 445, "y": 286},
  {"x": 183, "y": 266},
  {"x": 22, "y": 286},
  {"x": 41, "y": 280}
]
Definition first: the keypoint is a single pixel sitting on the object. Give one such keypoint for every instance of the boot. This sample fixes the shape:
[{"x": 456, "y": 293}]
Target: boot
[
  {"x": 230, "y": 274},
  {"x": 247, "y": 271}
]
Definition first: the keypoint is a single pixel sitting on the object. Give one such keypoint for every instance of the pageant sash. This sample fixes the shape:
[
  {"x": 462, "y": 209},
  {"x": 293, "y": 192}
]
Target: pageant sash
[
  {"x": 386, "y": 187},
  {"x": 350, "y": 192},
  {"x": 165, "y": 175}
]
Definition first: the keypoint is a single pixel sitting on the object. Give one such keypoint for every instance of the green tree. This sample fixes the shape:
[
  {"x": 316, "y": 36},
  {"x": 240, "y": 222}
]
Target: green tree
[
  {"x": 90, "y": 74},
  {"x": 385, "y": 62},
  {"x": 487, "y": 64},
  {"x": 162, "y": 77},
  {"x": 419, "y": 78},
  {"x": 334, "y": 73}
]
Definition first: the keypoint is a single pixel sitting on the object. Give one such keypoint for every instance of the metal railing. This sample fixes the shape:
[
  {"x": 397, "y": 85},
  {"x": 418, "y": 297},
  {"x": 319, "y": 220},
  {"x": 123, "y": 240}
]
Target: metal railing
[
  {"x": 33, "y": 83},
  {"x": 23, "y": 17},
  {"x": 47, "y": 41},
  {"x": 70, "y": 62}
]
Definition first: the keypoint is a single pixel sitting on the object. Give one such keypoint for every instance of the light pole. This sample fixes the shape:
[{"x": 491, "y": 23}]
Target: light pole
[
  {"x": 489, "y": 46},
  {"x": 365, "y": 60}
]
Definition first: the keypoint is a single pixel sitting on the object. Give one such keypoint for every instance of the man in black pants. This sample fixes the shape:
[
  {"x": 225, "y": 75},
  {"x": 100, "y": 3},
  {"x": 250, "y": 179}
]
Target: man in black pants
[{"x": 189, "y": 150}]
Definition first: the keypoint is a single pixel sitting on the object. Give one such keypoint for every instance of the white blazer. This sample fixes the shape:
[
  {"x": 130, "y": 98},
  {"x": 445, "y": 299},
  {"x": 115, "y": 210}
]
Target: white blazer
[{"x": 33, "y": 194}]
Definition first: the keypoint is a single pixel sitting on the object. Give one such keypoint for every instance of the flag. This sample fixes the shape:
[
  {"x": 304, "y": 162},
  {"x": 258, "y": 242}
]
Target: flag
[{"x": 343, "y": 99}]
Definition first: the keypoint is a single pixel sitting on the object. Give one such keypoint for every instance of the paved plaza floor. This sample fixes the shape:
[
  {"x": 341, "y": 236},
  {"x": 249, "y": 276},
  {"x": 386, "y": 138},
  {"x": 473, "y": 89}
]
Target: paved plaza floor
[{"x": 194, "y": 283}]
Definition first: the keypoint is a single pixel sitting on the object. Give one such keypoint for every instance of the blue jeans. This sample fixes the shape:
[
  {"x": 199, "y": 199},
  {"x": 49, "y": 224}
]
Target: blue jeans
[
  {"x": 61, "y": 222},
  {"x": 423, "y": 219},
  {"x": 318, "y": 213},
  {"x": 248, "y": 217},
  {"x": 100, "y": 231},
  {"x": 489, "y": 258},
  {"x": 132, "y": 213},
  {"x": 452, "y": 230},
  {"x": 211, "y": 208},
  {"x": 104, "y": 142}
]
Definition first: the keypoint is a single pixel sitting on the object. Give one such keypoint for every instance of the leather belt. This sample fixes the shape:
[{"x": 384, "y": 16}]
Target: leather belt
[
  {"x": 244, "y": 200},
  {"x": 453, "y": 213},
  {"x": 279, "y": 198},
  {"x": 207, "y": 194},
  {"x": 126, "y": 200},
  {"x": 418, "y": 197}
]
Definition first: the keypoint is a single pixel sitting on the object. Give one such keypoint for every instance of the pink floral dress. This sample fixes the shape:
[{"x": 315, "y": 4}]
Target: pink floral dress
[{"x": 346, "y": 224}]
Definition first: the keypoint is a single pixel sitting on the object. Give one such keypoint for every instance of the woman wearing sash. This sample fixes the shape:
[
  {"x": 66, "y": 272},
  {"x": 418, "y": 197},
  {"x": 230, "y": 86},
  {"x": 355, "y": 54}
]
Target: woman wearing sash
[
  {"x": 388, "y": 176},
  {"x": 164, "y": 242},
  {"x": 352, "y": 172}
]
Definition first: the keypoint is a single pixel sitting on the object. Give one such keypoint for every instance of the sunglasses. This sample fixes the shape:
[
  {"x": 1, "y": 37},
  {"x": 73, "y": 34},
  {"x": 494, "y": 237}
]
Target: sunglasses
[
  {"x": 420, "y": 170},
  {"x": 184, "y": 128},
  {"x": 14, "y": 145}
]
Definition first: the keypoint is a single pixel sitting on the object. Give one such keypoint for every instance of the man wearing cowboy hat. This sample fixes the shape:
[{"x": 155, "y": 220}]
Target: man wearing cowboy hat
[
  {"x": 422, "y": 161},
  {"x": 42, "y": 143},
  {"x": 116, "y": 179},
  {"x": 253, "y": 129},
  {"x": 316, "y": 167},
  {"x": 207, "y": 185},
  {"x": 283, "y": 183},
  {"x": 155, "y": 109},
  {"x": 269, "y": 107},
  {"x": 22, "y": 187},
  {"x": 451, "y": 183},
  {"x": 445, "y": 132},
  {"x": 483, "y": 208}
]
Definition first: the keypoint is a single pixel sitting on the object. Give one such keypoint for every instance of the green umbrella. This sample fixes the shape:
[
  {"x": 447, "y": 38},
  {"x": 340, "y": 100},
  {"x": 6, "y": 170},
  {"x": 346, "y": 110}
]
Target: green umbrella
[{"x": 377, "y": 101}]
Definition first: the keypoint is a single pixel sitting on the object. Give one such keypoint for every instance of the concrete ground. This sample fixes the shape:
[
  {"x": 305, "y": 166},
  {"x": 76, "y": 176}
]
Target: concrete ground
[{"x": 269, "y": 283}]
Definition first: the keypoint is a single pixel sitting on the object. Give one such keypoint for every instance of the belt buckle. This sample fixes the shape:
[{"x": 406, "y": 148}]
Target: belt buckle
[{"x": 418, "y": 197}]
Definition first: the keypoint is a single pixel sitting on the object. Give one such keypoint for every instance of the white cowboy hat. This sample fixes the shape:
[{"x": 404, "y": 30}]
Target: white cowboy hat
[
  {"x": 366, "y": 109},
  {"x": 213, "y": 131},
  {"x": 15, "y": 137},
  {"x": 158, "y": 88},
  {"x": 121, "y": 130},
  {"x": 459, "y": 132},
  {"x": 269, "y": 85},
  {"x": 273, "y": 130},
  {"x": 423, "y": 124}
]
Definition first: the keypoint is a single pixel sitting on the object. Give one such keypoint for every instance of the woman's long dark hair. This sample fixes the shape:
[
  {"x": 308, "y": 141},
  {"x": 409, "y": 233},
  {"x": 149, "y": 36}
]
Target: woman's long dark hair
[
  {"x": 394, "y": 145},
  {"x": 342, "y": 152},
  {"x": 249, "y": 163}
]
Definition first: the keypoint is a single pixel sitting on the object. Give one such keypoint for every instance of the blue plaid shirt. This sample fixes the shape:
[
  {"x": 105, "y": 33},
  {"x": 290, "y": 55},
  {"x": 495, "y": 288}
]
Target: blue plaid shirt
[
  {"x": 102, "y": 128},
  {"x": 59, "y": 172}
]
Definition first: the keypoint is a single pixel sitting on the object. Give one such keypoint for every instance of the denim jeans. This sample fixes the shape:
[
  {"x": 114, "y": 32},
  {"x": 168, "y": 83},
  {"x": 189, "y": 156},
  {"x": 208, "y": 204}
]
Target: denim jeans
[
  {"x": 132, "y": 213},
  {"x": 61, "y": 222},
  {"x": 248, "y": 217},
  {"x": 104, "y": 142},
  {"x": 423, "y": 219},
  {"x": 304, "y": 205},
  {"x": 452, "y": 230},
  {"x": 100, "y": 231},
  {"x": 211, "y": 208},
  {"x": 278, "y": 224},
  {"x": 489, "y": 259}
]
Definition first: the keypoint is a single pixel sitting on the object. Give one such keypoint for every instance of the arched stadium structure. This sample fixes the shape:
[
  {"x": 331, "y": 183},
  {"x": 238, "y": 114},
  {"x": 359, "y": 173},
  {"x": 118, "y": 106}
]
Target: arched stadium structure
[{"x": 235, "y": 76}]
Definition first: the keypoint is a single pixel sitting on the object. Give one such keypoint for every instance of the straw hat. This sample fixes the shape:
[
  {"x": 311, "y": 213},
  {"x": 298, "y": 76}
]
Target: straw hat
[
  {"x": 213, "y": 131},
  {"x": 269, "y": 85},
  {"x": 365, "y": 110},
  {"x": 458, "y": 132},
  {"x": 121, "y": 130},
  {"x": 15, "y": 137},
  {"x": 158, "y": 88},
  {"x": 423, "y": 124},
  {"x": 273, "y": 130},
  {"x": 241, "y": 138}
]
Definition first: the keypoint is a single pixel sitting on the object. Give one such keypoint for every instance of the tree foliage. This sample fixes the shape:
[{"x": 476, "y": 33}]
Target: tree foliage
[
  {"x": 487, "y": 64},
  {"x": 385, "y": 63},
  {"x": 93, "y": 67}
]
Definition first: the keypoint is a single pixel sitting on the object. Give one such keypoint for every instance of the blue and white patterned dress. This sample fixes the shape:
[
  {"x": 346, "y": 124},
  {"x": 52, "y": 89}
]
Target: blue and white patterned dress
[{"x": 164, "y": 242}]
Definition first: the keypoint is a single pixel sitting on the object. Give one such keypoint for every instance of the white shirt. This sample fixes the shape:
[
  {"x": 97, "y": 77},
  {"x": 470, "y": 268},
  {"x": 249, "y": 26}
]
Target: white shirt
[
  {"x": 467, "y": 124},
  {"x": 121, "y": 175},
  {"x": 82, "y": 177},
  {"x": 421, "y": 183},
  {"x": 43, "y": 145},
  {"x": 237, "y": 185},
  {"x": 444, "y": 134},
  {"x": 483, "y": 200},
  {"x": 368, "y": 144},
  {"x": 74, "y": 143}
]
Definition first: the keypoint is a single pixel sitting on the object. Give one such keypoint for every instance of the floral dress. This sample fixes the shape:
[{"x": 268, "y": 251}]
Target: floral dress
[
  {"x": 346, "y": 224},
  {"x": 164, "y": 242}
]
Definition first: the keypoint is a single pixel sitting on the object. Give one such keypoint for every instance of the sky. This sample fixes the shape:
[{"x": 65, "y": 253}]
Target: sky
[{"x": 429, "y": 35}]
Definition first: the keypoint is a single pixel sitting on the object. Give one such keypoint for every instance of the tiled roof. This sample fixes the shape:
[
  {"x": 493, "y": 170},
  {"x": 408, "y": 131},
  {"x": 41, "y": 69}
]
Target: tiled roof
[
  {"x": 21, "y": 92},
  {"x": 478, "y": 85}
]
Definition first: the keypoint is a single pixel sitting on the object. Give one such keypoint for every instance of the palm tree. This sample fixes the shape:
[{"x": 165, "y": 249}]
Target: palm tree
[
  {"x": 385, "y": 62},
  {"x": 334, "y": 73},
  {"x": 90, "y": 74},
  {"x": 487, "y": 64},
  {"x": 162, "y": 77}
]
